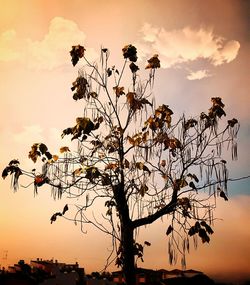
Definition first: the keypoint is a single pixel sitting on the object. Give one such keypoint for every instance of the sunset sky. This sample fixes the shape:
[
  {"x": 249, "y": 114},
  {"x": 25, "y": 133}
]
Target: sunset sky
[{"x": 204, "y": 51}]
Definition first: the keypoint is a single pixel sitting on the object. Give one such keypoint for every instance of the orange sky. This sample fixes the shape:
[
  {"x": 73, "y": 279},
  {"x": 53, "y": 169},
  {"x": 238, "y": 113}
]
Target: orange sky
[{"x": 204, "y": 53}]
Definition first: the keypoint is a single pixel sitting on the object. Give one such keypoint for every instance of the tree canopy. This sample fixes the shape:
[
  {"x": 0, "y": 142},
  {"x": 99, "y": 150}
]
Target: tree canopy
[{"x": 134, "y": 161}]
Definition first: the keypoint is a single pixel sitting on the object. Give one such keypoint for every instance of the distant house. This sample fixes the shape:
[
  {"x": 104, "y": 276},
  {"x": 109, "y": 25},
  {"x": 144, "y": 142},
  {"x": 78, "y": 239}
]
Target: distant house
[
  {"x": 152, "y": 277},
  {"x": 143, "y": 276},
  {"x": 191, "y": 273},
  {"x": 43, "y": 272},
  {"x": 14, "y": 279},
  {"x": 176, "y": 273},
  {"x": 60, "y": 273}
]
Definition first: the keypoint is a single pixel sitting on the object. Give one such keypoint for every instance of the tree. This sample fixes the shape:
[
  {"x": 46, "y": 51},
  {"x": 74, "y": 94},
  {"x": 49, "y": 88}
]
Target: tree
[{"x": 135, "y": 161}]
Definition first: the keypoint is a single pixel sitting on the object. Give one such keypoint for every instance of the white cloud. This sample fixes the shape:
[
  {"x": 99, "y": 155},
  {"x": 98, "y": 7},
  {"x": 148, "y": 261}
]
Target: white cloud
[
  {"x": 194, "y": 75},
  {"x": 8, "y": 51},
  {"x": 227, "y": 54},
  {"x": 36, "y": 134},
  {"x": 29, "y": 135},
  {"x": 53, "y": 50},
  {"x": 186, "y": 45},
  {"x": 50, "y": 52}
]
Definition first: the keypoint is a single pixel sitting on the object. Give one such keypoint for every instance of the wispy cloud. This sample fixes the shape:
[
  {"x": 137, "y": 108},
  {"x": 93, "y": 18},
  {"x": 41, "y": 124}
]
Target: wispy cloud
[
  {"x": 187, "y": 45},
  {"x": 36, "y": 134},
  {"x": 50, "y": 52},
  {"x": 199, "y": 74},
  {"x": 29, "y": 135}
]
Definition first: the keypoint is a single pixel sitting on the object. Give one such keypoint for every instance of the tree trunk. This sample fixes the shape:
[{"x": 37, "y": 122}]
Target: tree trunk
[
  {"x": 128, "y": 254},
  {"x": 127, "y": 232}
]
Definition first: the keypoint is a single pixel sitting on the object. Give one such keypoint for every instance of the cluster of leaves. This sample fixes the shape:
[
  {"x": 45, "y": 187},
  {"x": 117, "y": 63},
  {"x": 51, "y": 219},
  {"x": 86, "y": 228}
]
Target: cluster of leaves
[
  {"x": 232, "y": 122},
  {"x": 119, "y": 91},
  {"x": 160, "y": 119},
  {"x": 217, "y": 108},
  {"x": 40, "y": 180},
  {"x": 153, "y": 62},
  {"x": 138, "y": 138},
  {"x": 84, "y": 126},
  {"x": 13, "y": 168},
  {"x": 210, "y": 119},
  {"x": 202, "y": 229},
  {"x": 130, "y": 52},
  {"x": 110, "y": 204},
  {"x": 185, "y": 205},
  {"x": 39, "y": 150},
  {"x": 138, "y": 250},
  {"x": 80, "y": 86},
  {"x": 135, "y": 102},
  {"x": 191, "y": 123},
  {"x": 54, "y": 216},
  {"x": 76, "y": 53}
]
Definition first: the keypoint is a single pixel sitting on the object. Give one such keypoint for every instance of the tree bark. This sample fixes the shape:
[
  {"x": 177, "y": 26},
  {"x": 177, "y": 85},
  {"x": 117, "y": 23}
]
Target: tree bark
[
  {"x": 128, "y": 254},
  {"x": 127, "y": 235}
]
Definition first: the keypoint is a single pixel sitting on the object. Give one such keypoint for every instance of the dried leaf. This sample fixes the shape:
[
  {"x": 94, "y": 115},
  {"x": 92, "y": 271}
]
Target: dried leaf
[
  {"x": 192, "y": 231},
  {"x": 190, "y": 124},
  {"x": 130, "y": 52},
  {"x": 180, "y": 183},
  {"x": 111, "y": 166},
  {"x": 84, "y": 124},
  {"x": 78, "y": 171},
  {"x": 223, "y": 195},
  {"x": 14, "y": 162},
  {"x": 106, "y": 179},
  {"x": 143, "y": 189},
  {"x": 48, "y": 155},
  {"x": 12, "y": 168},
  {"x": 5, "y": 172},
  {"x": 109, "y": 72},
  {"x": 40, "y": 180},
  {"x": 43, "y": 148},
  {"x": 118, "y": 91},
  {"x": 76, "y": 53},
  {"x": 126, "y": 163},
  {"x": 65, "y": 209},
  {"x": 203, "y": 235},
  {"x": 153, "y": 62},
  {"x": 80, "y": 84},
  {"x": 133, "y": 67},
  {"x": 216, "y": 101},
  {"x": 207, "y": 227},
  {"x": 92, "y": 173},
  {"x": 55, "y": 157},
  {"x": 34, "y": 152},
  {"x": 68, "y": 131},
  {"x": 191, "y": 184},
  {"x": 232, "y": 122},
  {"x": 64, "y": 149},
  {"x": 54, "y": 217},
  {"x": 169, "y": 230},
  {"x": 92, "y": 94}
]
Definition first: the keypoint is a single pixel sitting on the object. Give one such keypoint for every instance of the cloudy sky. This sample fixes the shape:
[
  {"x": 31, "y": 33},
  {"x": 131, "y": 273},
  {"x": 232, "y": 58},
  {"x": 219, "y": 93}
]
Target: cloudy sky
[{"x": 204, "y": 51}]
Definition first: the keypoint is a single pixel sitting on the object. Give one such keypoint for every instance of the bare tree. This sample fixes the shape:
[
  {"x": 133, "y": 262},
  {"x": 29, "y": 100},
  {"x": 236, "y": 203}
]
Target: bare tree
[{"x": 134, "y": 162}]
